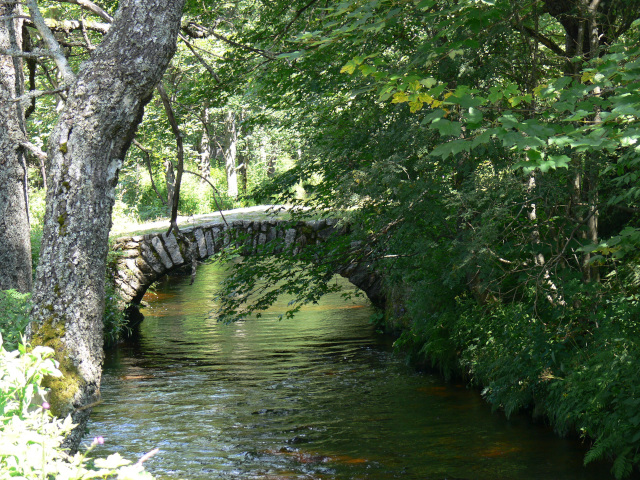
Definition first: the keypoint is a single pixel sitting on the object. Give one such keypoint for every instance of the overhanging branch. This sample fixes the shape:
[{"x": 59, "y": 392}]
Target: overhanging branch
[
  {"x": 56, "y": 52},
  {"x": 91, "y": 7},
  {"x": 198, "y": 31},
  {"x": 546, "y": 41}
]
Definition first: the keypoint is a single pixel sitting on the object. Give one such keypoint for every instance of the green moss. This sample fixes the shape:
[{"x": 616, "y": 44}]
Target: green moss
[
  {"x": 307, "y": 231},
  {"x": 62, "y": 221},
  {"x": 62, "y": 389}
]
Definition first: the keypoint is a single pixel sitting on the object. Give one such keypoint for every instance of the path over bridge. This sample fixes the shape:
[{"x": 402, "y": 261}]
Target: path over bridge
[{"x": 143, "y": 259}]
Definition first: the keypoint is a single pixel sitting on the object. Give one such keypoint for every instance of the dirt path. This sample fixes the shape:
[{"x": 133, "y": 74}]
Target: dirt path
[{"x": 249, "y": 213}]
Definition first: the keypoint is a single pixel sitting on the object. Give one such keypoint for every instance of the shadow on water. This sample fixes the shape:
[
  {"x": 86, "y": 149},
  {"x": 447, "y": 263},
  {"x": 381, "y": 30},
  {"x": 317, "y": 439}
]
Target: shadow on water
[{"x": 317, "y": 397}]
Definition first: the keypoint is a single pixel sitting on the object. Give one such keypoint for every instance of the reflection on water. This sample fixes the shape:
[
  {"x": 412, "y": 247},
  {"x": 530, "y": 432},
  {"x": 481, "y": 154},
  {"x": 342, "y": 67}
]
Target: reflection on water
[{"x": 316, "y": 397}]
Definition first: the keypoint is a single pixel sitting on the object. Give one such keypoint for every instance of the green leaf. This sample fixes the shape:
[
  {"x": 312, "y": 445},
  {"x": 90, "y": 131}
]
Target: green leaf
[
  {"x": 426, "y": 4},
  {"x": 451, "y": 148},
  {"x": 447, "y": 127},
  {"x": 474, "y": 116},
  {"x": 367, "y": 69},
  {"x": 428, "y": 82},
  {"x": 437, "y": 114},
  {"x": 292, "y": 55}
]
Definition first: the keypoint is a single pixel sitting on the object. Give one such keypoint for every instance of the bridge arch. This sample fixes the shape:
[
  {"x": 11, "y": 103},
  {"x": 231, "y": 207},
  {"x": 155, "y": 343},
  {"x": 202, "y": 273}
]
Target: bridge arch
[{"x": 143, "y": 259}]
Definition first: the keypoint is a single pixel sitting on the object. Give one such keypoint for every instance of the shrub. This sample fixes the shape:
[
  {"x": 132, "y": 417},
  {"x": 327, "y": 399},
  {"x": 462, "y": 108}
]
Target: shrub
[
  {"x": 114, "y": 319},
  {"x": 575, "y": 365},
  {"x": 31, "y": 438},
  {"x": 15, "y": 308}
]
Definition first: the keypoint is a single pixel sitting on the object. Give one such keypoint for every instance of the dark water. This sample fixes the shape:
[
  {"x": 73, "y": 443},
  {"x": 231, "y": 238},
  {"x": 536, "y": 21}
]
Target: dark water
[{"x": 316, "y": 397}]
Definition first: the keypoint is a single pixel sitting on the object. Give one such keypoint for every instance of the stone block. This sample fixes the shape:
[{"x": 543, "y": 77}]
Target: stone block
[
  {"x": 290, "y": 236},
  {"x": 272, "y": 233},
  {"x": 208, "y": 236},
  {"x": 164, "y": 256},
  {"x": 143, "y": 266},
  {"x": 132, "y": 268},
  {"x": 126, "y": 292},
  {"x": 202, "y": 244},
  {"x": 171, "y": 244},
  {"x": 132, "y": 253},
  {"x": 150, "y": 258}
]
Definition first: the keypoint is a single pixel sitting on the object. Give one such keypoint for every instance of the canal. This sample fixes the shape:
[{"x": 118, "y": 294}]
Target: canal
[{"x": 320, "y": 396}]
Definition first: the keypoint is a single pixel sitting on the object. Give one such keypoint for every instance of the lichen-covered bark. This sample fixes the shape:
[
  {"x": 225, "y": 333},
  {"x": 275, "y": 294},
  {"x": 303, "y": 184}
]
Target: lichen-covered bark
[
  {"x": 86, "y": 149},
  {"x": 15, "y": 244}
]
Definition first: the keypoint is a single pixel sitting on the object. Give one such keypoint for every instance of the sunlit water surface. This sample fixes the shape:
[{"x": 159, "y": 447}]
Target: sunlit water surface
[{"x": 316, "y": 397}]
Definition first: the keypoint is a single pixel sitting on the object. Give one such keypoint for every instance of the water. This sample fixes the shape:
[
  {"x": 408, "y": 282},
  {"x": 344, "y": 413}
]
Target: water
[{"x": 316, "y": 397}]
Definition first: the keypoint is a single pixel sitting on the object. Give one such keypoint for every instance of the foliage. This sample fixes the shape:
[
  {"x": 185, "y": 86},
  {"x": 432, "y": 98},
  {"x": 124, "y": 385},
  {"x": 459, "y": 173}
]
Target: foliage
[
  {"x": 15, "y": 307},
  {"x": 37, "y": 206},
  {"x": 31, "y": 439},
  {"x": 137, "y": 201},
  {"x": 114, "y": 320},
  {"x": 492, "y": 180}
]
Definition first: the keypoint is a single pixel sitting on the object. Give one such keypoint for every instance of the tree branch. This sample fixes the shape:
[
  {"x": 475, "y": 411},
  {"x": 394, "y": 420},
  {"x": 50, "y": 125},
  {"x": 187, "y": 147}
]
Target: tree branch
[
  {"x": 68, "y": 25},
  {"x": 200, "y": 59},
  {"x": 34, "y": 54},
  {"x": 215, "y": 190},
  {"x": 295, "y": 17},
  {"x": 56, "y": 52},
  {"x": 37, "y": 151},
  {"x": 180, "y": 154},
  {"x": 547, "y": 42},
  {"x": 85, "y": 35},
  {"x": 201, "y": 32},
  {"x": 91, "y": 7},
  {"x": 38, "y": 93},
  {"x": 147, "y": 157},
  {"x": 52, "y": 81}
]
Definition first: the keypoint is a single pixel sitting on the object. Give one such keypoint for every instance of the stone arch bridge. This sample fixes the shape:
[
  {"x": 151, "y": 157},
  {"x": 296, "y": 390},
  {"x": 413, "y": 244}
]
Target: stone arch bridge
[{"x": 143, "y": 259}]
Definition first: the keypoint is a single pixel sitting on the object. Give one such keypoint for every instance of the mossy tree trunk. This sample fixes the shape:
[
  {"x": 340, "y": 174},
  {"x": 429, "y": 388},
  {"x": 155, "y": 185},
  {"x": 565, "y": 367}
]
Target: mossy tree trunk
[
  {"x": 15, "y": 243},
  {"x": 86, "y": 149}
]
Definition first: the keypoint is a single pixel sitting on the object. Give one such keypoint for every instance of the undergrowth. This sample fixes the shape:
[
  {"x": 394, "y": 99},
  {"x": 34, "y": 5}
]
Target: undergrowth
[
  {"x": 577, "y": 365},
  {"x": 31, "y": 438}
]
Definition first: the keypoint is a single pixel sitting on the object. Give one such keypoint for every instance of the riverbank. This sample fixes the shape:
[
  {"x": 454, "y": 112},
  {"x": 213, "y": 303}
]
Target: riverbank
[{"x": 578, "y": 374}]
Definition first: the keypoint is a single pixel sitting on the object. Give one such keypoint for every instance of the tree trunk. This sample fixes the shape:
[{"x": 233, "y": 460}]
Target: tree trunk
[
  {"x": 230, "y": 153},
  {"x": 244, "y": 160},
  {"x": 270, "y": 162},
  {"x": 177, "y": 181},
  {"x": 15, "y": 241},
  {"x": 586, "y": 33},
  {"x": 86, "y": 149},
  {"x": 204, "y": 147},
  {"x": 169, "y": 181}
]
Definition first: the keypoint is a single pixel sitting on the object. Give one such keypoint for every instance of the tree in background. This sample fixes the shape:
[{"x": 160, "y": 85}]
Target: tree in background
[{"x": 15, "y": 243}]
